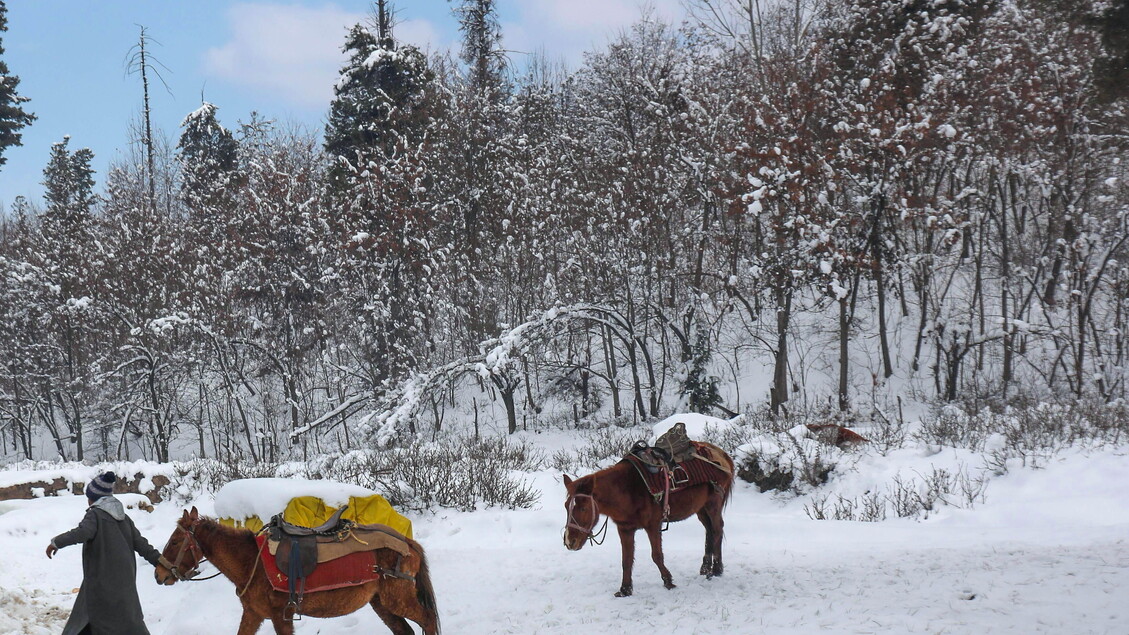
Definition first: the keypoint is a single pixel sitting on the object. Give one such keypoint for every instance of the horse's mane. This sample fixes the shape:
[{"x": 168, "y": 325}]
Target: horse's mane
[{"x": 231, "y": 533}]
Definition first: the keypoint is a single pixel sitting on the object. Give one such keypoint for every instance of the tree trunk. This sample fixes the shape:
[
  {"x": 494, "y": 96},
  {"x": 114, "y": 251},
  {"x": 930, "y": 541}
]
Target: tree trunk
[
  {"x": 879, "y": 208},
  {"x": 779, "y": 392},
  {"x": 610, "y": 364},
  {"x": 844, "y": 326}
]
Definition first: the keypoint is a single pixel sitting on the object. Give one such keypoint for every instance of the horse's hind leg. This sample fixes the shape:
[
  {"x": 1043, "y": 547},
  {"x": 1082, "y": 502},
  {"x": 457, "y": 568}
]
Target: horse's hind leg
[
  {"x": 717, "y": 531},
  {"x": 708, "y": 558},
  {"x": 395, "y": 623}
]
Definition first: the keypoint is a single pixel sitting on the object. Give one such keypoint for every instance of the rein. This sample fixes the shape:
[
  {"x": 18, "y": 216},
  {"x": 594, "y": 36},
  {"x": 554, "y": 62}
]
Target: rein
[{"x": 594, "y": 537}]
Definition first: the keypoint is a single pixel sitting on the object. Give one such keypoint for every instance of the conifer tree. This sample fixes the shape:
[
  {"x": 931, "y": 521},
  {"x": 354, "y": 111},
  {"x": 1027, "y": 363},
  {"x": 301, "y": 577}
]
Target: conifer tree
[
  {"x": 379, "y": 97},
  {"x": 13, "y": 117},
  {"x": 482, "y": 38},
  {"x": 700, "y": 389},
  {"x": 69, "y": 182},
  {"x": 208, "y": 156}
]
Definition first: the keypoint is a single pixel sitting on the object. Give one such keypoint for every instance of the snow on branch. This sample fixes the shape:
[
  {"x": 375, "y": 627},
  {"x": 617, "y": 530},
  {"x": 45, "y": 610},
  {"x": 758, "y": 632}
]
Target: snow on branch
[{"x": 499, "y": 357}]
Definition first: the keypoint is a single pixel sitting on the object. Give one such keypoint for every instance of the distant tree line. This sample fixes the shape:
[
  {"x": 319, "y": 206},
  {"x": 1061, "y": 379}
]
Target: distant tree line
[{"x": 867, "y": 198}]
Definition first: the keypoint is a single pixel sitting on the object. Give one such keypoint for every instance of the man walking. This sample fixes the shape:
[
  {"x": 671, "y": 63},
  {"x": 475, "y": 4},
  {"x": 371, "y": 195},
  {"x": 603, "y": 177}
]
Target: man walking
[{"x": 107, "y": 602}]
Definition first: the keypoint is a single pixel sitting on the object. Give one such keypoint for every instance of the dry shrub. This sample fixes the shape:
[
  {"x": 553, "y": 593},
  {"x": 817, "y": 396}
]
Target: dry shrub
[{"x": 455, "y": 472}]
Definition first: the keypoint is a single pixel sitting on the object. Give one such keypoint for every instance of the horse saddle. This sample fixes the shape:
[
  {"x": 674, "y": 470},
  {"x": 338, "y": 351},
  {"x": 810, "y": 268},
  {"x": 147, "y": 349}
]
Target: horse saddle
[
  {"x": 669, "y": 451},
  {"x": 298, "y": 550},
  {"x": 676, "y": 443}
]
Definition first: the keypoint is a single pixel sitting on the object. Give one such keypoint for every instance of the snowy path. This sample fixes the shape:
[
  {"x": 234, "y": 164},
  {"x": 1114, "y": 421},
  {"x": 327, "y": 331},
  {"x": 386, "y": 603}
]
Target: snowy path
[{"x": 1041, "y": 562}]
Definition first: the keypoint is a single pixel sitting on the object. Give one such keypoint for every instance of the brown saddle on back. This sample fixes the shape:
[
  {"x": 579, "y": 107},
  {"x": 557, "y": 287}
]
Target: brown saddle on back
[
  {"x": 669, "y": 451},
  {"x": 676, "y": 443},
  {"x": 334, "y": 539}
]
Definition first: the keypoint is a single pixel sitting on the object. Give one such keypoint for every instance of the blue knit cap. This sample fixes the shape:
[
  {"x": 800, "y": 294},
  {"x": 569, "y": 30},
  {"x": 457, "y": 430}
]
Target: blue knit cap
[{"x": 102, "y": 485}]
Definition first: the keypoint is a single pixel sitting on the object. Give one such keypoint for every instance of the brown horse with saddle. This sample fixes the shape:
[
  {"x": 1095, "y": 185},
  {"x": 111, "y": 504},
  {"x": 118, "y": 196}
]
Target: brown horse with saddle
[
  {"x": 353, "y": 565},
  {"x": 671, "y": 481}
]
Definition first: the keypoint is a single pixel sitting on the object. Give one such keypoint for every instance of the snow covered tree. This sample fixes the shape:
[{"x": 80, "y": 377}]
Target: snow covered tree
[
  {"x": 482, "y": 40},
  {"x": 208, "y": 157},
  {"x": 13, "y": 117},
  {"x": 700, "y": 389},
  {"x": 69, "y": 183},
  {"x": 380, "y": 99}
]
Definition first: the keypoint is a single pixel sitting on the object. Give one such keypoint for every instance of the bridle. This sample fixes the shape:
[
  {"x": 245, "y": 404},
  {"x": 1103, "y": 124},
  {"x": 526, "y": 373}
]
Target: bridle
[
  {"x": 195, "y": 551},
  {"x": 594, "y": 537}
]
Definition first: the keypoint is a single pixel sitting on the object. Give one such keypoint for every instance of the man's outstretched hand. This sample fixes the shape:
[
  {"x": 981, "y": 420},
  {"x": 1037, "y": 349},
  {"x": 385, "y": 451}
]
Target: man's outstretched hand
[{"x": 52, "y": 550}]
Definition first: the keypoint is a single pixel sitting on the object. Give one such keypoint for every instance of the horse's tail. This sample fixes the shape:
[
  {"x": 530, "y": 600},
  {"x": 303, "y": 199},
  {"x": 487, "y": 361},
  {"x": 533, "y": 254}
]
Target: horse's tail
[
  {"x": 731, "y": 472},
  {"x": 425, "y": 593},
  {"x": 732, "y": 479}
]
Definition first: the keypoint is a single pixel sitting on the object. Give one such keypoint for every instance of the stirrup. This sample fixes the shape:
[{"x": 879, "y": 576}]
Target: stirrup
[{"x": 295, "y": 616}]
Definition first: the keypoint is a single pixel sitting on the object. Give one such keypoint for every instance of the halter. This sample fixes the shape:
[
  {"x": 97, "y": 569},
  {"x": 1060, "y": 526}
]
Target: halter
[
  {"x": 594, "y": 537},
  {"x": 196, "y": 551}
]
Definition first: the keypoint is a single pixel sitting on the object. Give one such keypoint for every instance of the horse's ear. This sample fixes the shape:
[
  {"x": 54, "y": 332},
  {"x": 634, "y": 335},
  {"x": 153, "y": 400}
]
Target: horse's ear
[
  {"x": 567, "y": 480},
  {"x": 184, "y": 515},
  {"x": 195, "y": 514}
]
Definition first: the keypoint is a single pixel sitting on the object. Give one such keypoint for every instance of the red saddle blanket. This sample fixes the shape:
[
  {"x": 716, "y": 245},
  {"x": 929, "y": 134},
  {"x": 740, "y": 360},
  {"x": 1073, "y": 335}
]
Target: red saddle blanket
[
  {"x": 351, "y": 570},
  {"x": 694, "y": 471}
]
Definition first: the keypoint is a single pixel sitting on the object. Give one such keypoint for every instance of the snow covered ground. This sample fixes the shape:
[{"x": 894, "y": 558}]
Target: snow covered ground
[{"x": 1047, "y": 552}]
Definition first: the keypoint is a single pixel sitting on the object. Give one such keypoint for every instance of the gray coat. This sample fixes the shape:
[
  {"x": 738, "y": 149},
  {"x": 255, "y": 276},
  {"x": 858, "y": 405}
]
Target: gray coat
[{"x": 107, "y": 601}]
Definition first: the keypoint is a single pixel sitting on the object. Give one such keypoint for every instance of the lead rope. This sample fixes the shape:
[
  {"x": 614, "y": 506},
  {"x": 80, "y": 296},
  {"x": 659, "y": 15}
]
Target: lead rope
[
  {"x": 602, "y": 533},
  {"x": 254, "y": 568},
  {"x": 195, "y": 579}
]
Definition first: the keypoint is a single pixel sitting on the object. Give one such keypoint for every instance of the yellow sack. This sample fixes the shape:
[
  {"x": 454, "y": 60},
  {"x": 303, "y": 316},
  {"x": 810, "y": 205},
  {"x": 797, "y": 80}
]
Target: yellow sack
[{"x": 311, "y": 511}]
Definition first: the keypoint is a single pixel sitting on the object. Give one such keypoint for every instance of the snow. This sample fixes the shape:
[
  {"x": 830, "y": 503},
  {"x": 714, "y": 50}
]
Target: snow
[
  {"x": 31, "y": 509},
  {"x": 1045, "y": 552},
  {"x": 697, "y": 424},
  {"x": 28, "y": 472},
  {"x": 265, "y": 497}
]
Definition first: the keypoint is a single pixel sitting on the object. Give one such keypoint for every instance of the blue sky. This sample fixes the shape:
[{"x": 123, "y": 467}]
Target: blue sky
[{"x": 279, "y": 58}]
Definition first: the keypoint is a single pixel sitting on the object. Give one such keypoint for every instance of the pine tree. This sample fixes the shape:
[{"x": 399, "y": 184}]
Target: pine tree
[
  {"x": 379, "y": 101},
  {"x": 482, "y": 38},
  {"x": 64, "y": 250},
  {"x": 12, "y": 115},
  {"x": 700, "y": 389},
  {"x": 69, "y": 182},
  {"x": 208, "y": 157}
]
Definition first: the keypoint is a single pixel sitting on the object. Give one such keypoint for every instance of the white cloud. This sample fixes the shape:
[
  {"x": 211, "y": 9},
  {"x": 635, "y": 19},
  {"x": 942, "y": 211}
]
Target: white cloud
[
  {"x": 293, "y": 53},
  {"x": 421, "y": 33},
  {"x": 568, "y": 28}
]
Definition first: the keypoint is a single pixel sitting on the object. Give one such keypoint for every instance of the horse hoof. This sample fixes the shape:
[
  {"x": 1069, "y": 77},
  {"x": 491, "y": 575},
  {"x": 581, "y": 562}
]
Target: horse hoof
[
  {"x": 670, "y": 585},
  {"x": 706, "y": 570},
  {"x": 623, "y": 592}
]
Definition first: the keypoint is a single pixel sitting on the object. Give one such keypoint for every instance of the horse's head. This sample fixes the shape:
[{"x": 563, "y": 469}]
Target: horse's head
[
  {"x": 183, "y": 551},
  {"x": 582, "y": 514}
]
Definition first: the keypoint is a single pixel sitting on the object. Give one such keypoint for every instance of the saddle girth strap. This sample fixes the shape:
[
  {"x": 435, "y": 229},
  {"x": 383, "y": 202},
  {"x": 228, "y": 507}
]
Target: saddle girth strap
[{"x": 295, "y": 583}]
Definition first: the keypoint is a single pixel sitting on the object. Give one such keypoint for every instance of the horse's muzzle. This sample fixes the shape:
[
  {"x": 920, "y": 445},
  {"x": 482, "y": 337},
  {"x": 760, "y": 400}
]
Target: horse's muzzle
[{"x": 165, "y": 577}]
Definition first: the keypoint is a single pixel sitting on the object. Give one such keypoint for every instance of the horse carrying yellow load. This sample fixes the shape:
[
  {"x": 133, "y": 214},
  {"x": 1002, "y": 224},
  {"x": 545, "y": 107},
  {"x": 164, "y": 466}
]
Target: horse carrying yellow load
[
  {"x": 250, "y": 504},
  {"x": 284, "y": 576}
]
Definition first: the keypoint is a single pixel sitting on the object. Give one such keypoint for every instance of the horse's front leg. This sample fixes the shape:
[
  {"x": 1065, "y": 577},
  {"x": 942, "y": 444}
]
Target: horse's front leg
[
  {"x": 249, "y": 624},
  {"x": 627, "y": 544},
  {"x": 655, "y": 535}
]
